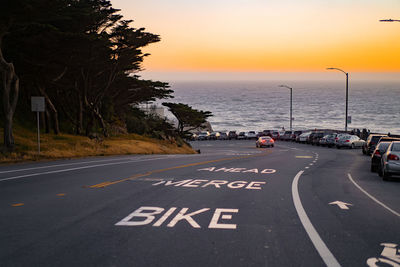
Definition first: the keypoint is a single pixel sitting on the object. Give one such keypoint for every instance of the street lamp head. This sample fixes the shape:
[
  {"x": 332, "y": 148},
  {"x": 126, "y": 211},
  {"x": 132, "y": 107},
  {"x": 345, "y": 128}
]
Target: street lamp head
[
  {"x": 285, "y": 86},
  {"x": 337, "y": 69},
  {"x": 389, "y": 20}
]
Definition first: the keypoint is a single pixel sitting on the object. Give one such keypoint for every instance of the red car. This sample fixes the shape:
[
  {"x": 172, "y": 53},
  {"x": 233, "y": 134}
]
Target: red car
[{"x": 265, "y": 141}]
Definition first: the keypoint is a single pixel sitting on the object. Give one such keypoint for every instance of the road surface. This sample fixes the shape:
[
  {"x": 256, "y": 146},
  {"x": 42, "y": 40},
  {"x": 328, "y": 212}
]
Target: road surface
[{"x": 232, "y": 205}]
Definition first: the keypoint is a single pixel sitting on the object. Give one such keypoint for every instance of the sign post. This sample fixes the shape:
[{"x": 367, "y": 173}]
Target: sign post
[{"x": 38, "y": 105}]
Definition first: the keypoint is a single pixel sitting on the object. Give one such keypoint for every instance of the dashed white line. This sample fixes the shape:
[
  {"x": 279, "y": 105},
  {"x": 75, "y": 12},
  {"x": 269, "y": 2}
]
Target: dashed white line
[
  {"x": 318, "y": 243},
  {"x": 372, "y": 197}
]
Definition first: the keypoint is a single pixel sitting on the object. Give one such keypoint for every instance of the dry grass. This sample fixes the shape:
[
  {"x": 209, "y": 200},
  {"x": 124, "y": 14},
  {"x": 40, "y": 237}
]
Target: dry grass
[{"x": 71, "y": 146}]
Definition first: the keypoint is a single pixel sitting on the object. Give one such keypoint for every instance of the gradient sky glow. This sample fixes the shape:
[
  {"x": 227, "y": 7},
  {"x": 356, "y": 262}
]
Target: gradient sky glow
[{"x": 268, "y": 35}]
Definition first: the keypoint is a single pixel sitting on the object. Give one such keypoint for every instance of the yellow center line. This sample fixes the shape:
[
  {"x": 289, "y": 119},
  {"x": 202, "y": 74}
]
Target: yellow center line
[
  {"x": 304, "y": 157},
  {"x": 17, "y": 204},
  {"x": 104, "y": 184}
]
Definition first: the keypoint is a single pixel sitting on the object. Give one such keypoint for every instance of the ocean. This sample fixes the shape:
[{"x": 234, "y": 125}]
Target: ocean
[{"x": 257, "y": 105}]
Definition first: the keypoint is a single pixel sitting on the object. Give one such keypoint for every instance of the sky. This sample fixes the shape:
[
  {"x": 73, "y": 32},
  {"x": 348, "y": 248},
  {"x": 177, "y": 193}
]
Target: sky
[{"x": 267, "y": 38}]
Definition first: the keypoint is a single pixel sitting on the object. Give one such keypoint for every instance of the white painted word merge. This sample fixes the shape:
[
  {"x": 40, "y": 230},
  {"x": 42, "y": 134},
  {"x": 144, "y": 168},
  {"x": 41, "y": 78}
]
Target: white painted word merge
[
  {"x": 213, "y": 183},
  {"x": 147, "y": 215}
]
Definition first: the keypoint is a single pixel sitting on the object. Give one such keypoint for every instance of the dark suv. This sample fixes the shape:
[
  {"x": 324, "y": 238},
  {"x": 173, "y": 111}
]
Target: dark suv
[
  {"x": 370, "y": 144},
  {"x": 316, "y": 137},
  {"x": 232, "y": 135}
]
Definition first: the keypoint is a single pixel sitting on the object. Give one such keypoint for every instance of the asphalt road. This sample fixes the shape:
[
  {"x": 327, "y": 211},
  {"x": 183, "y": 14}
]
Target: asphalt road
[{"x": 231, "y": 205}]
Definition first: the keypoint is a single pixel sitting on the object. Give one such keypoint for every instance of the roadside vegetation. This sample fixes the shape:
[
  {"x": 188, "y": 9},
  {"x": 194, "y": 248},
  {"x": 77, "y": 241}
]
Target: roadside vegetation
[
  {"x": 58, "y": 146},
  {"x": 84, "y": 58}
]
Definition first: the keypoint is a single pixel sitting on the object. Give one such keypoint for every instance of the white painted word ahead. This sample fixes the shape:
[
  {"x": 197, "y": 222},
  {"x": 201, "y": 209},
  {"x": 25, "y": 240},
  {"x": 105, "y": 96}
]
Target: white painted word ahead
[
  {"x": 146, "y": 215},
  {"x": 213, "y": 183},
  {"x": 238, "y": 170}
]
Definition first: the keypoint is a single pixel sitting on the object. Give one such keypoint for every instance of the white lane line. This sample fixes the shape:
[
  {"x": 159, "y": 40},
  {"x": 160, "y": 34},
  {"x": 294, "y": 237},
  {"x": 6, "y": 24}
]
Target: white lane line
[
  {"x": 371, "y": 197},
  {"x": 320, "y": 246},
  {"x": 71, "y": 169},
  {"x": 68, "y": 164},
  {"x": 307, "y": 167}
]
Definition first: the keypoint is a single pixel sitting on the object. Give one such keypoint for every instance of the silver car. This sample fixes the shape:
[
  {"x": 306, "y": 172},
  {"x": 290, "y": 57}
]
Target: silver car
[
  {"x": 390, "y": 163},
  {"x": 350, "y": 141}
]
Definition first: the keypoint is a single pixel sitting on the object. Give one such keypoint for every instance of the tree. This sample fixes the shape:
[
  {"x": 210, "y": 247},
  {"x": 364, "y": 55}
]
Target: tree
[
  {"x": 12, "y": 19},
  {"x": 187, "y": 116}
]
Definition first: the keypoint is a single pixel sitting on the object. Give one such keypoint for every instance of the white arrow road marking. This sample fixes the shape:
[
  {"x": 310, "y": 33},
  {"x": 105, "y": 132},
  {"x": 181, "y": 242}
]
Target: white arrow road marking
[{"x": 342, "y": 205}]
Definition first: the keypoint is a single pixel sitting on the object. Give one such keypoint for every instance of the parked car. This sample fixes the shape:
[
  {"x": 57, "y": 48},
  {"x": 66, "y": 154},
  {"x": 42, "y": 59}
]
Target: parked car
[
  {"x": 377, "y": 156},
  {"x": 370, "y": 144},
  {"x": 251, "y": 135},
  {"x": 295, "y": 134},
  {"x": 275, "y": 135},
  {"x": 215, "y": 135},
  {"x": 265, "y": 141},
  {"x": 323, "y": 140},
  {"x": 287, "y": 135},
  {"x": 241, "y": 136},
  {"x": 281, "y": 133},
  {"x": 259, "y": 134},
  {"x": 304, "y": 137},
  {"x": 232, "y": 135},
  {"x": 350, "y": 141},
  {"x": 310, "y": 137},
  {"x": 331, "y": 140},
  {"x": 203, "y": 136},
  {"x": 338, "y": 136},
  {"x": 388, "y": 139},
  {"x": 223, "y": 136},
  {"x": 390, "y": 163},
  {"x": 267, "y": 133},
  {"x": 194, "y": 136},
  {"x": 316, "y": 137}
]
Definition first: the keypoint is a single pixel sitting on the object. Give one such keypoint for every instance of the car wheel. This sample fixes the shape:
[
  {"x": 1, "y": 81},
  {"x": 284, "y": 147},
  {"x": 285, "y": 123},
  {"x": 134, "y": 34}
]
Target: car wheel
[
  {"x": 272, "y": 145},
  {"x": 372, "y": 168},
  {"x": 363, "y": 151},
  {"x": 338, "y": 147},
  {"x": 352, "y": 146},
  {"x": 385, "y": 175}
]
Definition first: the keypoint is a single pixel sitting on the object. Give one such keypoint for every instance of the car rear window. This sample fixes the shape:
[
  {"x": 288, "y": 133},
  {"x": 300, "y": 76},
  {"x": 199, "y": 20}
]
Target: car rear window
[
  {"x": 396, "y": 147},
  {"x": 375, "y": 139},
  {"x": 383, "y": 146}
]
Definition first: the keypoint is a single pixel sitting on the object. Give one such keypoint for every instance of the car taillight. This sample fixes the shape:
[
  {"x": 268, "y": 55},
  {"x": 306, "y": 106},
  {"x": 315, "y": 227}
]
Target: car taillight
[
  {"x": 377, "y": 152},
  {"x": 392, "y": 157},
  {"x": 347, "y": 141}
]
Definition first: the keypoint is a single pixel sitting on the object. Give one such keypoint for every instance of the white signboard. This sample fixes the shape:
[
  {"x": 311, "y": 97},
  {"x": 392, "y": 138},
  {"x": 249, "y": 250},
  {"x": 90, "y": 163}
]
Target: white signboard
[{"x": 38, "y": 103}]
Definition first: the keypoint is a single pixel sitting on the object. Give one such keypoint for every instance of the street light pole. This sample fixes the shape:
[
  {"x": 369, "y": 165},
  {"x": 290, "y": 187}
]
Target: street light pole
[
  {"x": 347, "y": 95},
  {"x": 290, "y": 103}
]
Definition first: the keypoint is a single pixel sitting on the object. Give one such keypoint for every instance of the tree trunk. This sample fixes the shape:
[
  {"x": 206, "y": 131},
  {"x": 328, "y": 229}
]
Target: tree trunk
[
  {"x": 48, "y": 121},
  {"x": 10, "y": 86},
  {"x": 101, "y": 121},
  {"x": 53, "y": 110},
  {"x": 79, "y": 126}
]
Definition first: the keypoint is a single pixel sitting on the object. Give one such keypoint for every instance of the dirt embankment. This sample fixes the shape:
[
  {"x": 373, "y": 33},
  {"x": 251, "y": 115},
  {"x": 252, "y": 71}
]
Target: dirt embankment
[{"x": 72, "y": 146}]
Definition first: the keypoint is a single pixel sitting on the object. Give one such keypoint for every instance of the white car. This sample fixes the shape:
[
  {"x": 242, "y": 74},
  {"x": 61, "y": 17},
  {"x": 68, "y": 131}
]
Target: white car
[
  {"x": 350, "y": 141},
  {"x": 251, "y": 135},
  {"x": 203, "y": 136},
  {"x": 304, "y": 137}
]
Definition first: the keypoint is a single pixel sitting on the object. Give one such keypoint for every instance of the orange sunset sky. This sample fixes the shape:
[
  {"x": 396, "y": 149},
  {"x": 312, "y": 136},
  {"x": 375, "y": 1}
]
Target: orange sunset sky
[{"x": 268, "y": 35}]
